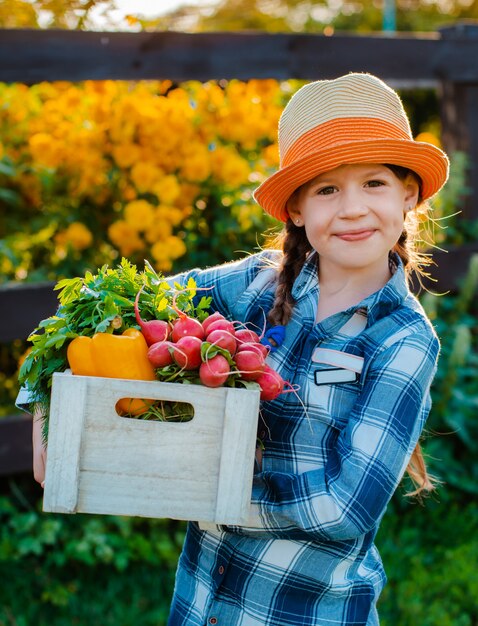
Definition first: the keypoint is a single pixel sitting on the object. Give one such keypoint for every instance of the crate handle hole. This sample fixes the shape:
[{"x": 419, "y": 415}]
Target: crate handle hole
[{"x": 155, "y": 410}]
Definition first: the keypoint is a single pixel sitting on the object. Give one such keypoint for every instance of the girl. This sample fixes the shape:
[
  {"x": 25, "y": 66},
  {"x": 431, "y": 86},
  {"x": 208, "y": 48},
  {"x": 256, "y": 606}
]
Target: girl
[
  {"x": 356, "y": 343},
  {"x": 346, "y": 331}
]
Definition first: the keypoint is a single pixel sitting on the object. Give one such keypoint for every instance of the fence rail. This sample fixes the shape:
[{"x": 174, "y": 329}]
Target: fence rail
[
  {"x": 445, "y": 60},
  {"x": 33, "y": 55}
]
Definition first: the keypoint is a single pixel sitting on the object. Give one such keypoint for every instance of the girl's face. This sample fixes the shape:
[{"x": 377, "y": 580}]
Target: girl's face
[{"x": 353, "y": 215}]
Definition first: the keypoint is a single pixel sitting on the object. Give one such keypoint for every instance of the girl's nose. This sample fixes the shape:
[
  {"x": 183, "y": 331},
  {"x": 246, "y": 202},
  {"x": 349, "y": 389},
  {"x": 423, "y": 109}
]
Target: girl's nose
[{"x": 352, "y": 206}]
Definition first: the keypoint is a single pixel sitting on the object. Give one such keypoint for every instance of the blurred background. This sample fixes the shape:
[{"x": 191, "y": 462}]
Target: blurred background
[{"x": 164, "y": 170}]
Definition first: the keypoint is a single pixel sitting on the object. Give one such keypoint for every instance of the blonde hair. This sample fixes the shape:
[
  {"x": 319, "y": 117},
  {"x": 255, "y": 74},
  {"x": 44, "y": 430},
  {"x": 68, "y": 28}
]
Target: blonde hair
[{"x": 293, "y": 242}]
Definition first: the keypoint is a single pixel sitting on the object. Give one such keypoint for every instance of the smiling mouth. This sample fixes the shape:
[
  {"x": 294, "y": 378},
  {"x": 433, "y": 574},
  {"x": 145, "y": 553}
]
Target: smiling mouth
[{"x": 356, "y": 235}]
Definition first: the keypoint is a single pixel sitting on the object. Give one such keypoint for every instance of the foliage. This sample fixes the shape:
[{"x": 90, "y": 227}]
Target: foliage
[
  {"x": 429, "y": 554},
  {"x": 72, "y": 14},
  {"x": 454, "y": 228},
  {"x": 81, "y": 569},
  {"x": 325, "y": 17},
  {"x": 453, "y": 445},
  {"x": 311, "y": 16}
]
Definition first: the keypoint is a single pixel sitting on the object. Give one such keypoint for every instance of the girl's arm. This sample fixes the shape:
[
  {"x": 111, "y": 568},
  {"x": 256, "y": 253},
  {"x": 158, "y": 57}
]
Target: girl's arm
[
  {"x": 348, "y": 496},
  {"x": 227, "y": 284}
]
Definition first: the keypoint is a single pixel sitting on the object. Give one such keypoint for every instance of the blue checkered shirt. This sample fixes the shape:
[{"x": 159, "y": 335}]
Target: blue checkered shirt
[{"x": 308, "y": 556}]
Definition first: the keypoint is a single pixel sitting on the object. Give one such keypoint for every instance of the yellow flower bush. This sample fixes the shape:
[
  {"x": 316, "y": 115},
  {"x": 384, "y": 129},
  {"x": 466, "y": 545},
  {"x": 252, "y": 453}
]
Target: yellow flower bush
[{"x": 144, "y": 170}]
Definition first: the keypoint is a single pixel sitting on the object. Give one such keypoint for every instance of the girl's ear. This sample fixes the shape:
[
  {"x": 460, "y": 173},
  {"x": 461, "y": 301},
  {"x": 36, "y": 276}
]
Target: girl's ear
[
  {"x": 412, "y": 192},
  {"x": 292, "y": 207},
  {"x": 295, "y": 216}
]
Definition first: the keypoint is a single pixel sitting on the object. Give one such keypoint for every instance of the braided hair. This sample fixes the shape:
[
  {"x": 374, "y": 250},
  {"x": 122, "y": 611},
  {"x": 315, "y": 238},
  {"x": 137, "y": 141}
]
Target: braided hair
[{"x": 296, "y": 248}]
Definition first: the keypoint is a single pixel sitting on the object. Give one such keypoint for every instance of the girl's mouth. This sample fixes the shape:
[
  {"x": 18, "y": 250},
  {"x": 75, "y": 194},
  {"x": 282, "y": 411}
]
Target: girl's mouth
[{"x": 356, "y": 235}]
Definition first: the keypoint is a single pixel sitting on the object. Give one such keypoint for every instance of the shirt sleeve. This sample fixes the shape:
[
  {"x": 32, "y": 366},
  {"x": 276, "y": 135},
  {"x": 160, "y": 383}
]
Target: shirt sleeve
[
  {"x": 348, "y": 496},
  {"x": 24, "y": 399},
  {"x": 227, "y": 282}
]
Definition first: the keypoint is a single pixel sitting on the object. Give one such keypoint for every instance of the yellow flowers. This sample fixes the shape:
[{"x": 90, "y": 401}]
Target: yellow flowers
[
  {"x": 141, "y": 160},
  {"x": 167, "y": 189},
  {"x": 45, "y": 150},
  {"x": 125, "y": 237},
  {"x": 164, "y": 252},
  {"x": 139, "y": 214},
  {"x": 145, "y": 175},
  {"x": 77, "y": 235}
]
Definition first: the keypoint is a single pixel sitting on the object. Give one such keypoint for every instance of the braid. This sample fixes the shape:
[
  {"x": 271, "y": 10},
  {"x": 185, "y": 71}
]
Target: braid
[{"x": 295, "y": 247}]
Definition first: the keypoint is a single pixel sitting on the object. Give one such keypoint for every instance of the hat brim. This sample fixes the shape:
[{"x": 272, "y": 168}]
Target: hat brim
[{"x": 429, "y": 162}]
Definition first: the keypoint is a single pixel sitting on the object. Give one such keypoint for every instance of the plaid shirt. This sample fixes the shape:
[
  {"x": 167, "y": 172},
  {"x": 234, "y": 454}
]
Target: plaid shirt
[{"x": 328, "y": 470}]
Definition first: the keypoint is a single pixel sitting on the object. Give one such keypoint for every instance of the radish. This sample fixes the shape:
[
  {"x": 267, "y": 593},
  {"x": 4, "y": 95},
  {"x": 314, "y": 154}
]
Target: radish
[
  {"x": 244, "y": 335},
  {"x": 223, "y": 339},
  {"x": 221, "y": 325},
  {"x": 186, "y": 326},
  {"x": 271, "y": 384},
  {"x": 214, "y": 371},
  {"x": 159, "y": 354},
  {"x": 254, "y": 347},
  {"x": 250, "y": 364},
  {"x": 154, "y": 330},
  {"x": 187, "y": 352},
  {"x": 212, "y": 318}
]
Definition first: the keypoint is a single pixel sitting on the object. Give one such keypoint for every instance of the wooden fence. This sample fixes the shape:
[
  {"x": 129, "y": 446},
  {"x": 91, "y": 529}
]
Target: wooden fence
[{"x": 445, "y": 61}]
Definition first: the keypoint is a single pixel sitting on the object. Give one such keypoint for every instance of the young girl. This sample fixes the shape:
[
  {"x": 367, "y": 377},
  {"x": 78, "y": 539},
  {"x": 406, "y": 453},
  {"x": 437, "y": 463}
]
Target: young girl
[
  {"x": 345, "y": 330},
  {"x": 358, "y": 346}
]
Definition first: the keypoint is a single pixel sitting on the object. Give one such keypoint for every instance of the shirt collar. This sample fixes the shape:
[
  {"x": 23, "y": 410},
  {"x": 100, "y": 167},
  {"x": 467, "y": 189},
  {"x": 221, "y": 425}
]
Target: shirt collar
[
  {"x": 390, "y": 297},
  {"x": 307, "y": 279},
  {"x": 376, "y": 306}
]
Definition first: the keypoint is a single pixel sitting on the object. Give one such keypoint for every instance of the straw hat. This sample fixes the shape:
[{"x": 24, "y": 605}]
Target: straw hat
[{"x": 356, "y": 118}]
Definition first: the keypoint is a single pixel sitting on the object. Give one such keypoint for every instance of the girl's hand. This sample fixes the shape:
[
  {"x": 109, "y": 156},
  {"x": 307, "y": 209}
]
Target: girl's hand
[{"x": 39, "y": 449}]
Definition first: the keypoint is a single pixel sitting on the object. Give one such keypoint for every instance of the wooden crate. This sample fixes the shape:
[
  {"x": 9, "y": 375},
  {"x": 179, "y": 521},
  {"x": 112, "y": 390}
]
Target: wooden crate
[{"x": 99, "y": 462}]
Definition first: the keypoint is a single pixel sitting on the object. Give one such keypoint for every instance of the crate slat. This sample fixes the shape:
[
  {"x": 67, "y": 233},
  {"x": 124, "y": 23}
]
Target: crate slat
[{"x": 99, "y": 462}]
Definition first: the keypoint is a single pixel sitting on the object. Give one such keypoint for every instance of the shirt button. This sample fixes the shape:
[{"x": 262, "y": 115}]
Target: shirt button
[
  {"x": 213, "y": 620},
  {"x": 221, "y": 571}
]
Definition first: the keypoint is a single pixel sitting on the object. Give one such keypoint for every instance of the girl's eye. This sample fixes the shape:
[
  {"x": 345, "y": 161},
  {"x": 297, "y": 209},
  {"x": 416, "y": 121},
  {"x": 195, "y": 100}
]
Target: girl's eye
[
  {"x": 326, "y": 191},
  {"x": 375, "y": 183}
]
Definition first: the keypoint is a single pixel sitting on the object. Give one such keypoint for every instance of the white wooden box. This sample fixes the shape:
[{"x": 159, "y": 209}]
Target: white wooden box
[{"x": 99, "y": 462}]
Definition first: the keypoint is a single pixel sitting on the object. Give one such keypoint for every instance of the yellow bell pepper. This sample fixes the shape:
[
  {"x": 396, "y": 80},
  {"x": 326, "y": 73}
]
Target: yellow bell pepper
[{"x": 113, "y": 356}]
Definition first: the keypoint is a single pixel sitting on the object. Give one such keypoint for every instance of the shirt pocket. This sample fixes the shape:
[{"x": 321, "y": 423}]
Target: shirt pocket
[{"x": 334, "y": 384}]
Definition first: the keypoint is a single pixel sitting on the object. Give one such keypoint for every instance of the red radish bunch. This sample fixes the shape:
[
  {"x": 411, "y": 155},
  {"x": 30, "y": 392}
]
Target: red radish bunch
[{"x": 212, "y": 351}]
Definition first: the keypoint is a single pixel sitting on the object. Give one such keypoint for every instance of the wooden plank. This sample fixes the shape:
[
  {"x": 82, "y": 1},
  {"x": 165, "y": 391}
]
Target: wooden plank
[
  {"x": 16, "y": 444},
  {"x": 22, "y": 306},
  {"x": 99, "y": 462},
  {"x": 67, "y": 412},
  {"x": 36, "y": 55},
  {"x": 234, "y": 474}
]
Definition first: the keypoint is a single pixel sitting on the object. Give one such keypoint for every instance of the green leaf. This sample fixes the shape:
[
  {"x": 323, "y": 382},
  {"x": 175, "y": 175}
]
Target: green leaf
[
  {"x": 162, "y": 305},
  {"x": 192, "y": 287},
  {"x": 6, "y": 168},
  {"x": 10, "y": 197}
]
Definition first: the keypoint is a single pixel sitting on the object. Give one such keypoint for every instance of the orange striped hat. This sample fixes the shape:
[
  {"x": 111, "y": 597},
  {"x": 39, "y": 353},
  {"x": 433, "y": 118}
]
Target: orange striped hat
[{"x": 356, "y": 118}]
